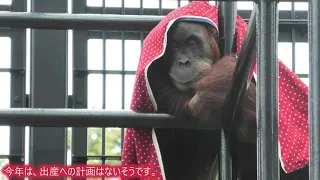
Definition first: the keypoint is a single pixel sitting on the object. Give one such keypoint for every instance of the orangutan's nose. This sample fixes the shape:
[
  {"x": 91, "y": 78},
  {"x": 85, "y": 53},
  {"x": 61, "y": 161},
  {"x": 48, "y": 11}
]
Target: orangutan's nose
[{"x": 184, "y": 63}]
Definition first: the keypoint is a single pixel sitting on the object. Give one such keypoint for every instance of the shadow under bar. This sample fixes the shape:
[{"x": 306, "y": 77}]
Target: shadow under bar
[
  {"x": 38, "y": 117},
  {"x": 111, "y": 22}
]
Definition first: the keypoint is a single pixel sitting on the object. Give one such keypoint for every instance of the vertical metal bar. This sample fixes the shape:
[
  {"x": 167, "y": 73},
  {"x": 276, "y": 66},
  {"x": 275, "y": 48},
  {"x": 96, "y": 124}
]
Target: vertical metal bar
[
  {"x": 267, "y": 90},
  {"x": 103, "y": 134},
  {"x": 225, "y": 172},
  {"x": 48, "y": 85},
  {"x": 160, "y": 8},
  {"x": 314, "y": 89},
  {"x": 227, "y": 26},
  {"x": 141, "y": 13},
  {"x": 80, "y": 83},
  {"x": 293, "y": 38},
  {"x": 123, "y": 10},
  {"x": 122, "y": 80},
  {"x": 141, "y": 7},
  {"x": 122, "y": 71},
  {"x": 18, "y": 83}
]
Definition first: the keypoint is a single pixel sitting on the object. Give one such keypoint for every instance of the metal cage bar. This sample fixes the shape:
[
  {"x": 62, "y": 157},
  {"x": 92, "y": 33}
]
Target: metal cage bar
[
  {"x": 267, "y": 90},
  {"x": 227, "y": 28},
  {"x": 123, "y": 69},
  {"x": 240, "y": 80},
  {"x": 293, "y": 39},
  {"x": 103, "y": 134},
  {"x": 44, "y": 117},
  {"x": 111, "y": 22},
  {"x": 284, "y": 14},
  {"x": 48, "y": 85},
  {"x": 5, "y": 7},
  {"x": 80, "y": 83},
  {"x": 314, "y": 89},
  {"x": 18, "y": 95}
]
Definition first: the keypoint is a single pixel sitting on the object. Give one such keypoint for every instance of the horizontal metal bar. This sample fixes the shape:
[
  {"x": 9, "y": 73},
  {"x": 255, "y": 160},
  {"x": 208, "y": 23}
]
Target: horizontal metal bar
[
  {"x": 86, "y": 72},
  {"x": 97, "y": 157},
  {"x": 244, "y": 13},
  {"x": 5, "y": 8},
  {"x": 303, "y": 75},
  {"x": 77, "y": 21},
  {"x": 277, "y": 0},
  {"x": 293, "y": 21},
  {"x": 6, "y": 156},
  {"x": 12, "y": 70},
  {"x": 38, "y": 117},
  {"x": 111, "y": 22}
]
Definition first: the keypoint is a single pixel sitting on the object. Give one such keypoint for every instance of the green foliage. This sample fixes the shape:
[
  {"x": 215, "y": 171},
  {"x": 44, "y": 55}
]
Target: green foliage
[
  {"x": 112, "y": 144},
  {"x": 94, "y": 143}
]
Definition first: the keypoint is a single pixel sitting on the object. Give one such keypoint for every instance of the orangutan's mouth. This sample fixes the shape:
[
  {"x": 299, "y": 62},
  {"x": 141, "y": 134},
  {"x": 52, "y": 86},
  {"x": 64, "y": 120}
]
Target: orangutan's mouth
[{"x": 188, "y": 82}]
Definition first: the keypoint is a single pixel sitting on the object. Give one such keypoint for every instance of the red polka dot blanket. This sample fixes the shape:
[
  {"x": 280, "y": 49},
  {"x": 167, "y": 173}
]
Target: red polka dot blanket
[{"x": 141, "y": 146}]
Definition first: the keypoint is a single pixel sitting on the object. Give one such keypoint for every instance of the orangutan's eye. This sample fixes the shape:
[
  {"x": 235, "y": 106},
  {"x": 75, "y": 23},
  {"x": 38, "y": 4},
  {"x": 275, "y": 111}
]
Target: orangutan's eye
[{"x": 191, "y": 43}]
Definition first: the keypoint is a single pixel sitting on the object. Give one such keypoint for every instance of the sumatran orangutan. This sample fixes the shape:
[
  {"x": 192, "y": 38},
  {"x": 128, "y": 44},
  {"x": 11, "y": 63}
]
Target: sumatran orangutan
[{"x": 191, "y": 80}]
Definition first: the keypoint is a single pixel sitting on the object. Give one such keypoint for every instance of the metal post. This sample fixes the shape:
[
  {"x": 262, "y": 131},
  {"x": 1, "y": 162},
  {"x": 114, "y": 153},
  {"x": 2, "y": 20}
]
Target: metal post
[
  {"x": 18, "y": 89},
  {"x": 80, "y": 56},
  {"x": 123, "y": 66},
  {"x": 48, "y": 85},
  {"x": 314, "y": 89},
  {"x": 227, "y": 27},
  {"x": 267, "y": 90}
]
